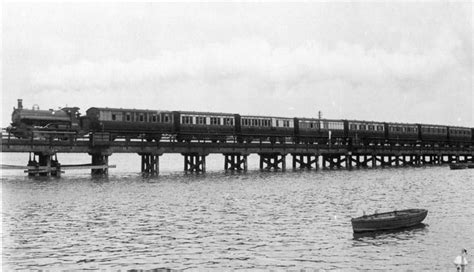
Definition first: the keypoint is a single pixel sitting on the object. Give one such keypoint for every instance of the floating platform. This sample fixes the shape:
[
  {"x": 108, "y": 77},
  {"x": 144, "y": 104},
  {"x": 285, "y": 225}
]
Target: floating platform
[{"x": 32, "y": 169}]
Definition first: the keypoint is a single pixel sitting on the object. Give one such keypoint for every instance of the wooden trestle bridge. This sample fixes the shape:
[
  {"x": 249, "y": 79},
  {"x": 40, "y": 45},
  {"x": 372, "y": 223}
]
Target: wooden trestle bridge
[{"x": 43, "y": 159}]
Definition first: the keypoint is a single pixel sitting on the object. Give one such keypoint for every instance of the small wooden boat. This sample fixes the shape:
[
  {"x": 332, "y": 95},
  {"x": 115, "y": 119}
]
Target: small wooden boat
[{"x": 389, "y": 220}]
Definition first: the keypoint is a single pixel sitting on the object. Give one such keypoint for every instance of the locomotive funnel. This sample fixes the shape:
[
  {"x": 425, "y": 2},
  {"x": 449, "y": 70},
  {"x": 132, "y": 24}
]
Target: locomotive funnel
[{"x": 20, "y": 104}]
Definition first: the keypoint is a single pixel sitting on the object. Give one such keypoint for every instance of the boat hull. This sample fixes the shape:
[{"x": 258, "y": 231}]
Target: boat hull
[{"x": 389, "y": 220}]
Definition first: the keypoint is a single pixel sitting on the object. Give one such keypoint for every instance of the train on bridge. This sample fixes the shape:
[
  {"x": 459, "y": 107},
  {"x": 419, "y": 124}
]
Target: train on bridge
[{"x": 187, "y": 126}]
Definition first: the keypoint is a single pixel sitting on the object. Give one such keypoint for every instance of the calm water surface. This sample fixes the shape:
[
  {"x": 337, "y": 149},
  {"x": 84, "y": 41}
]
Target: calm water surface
[{"x": 229, "y": 221}]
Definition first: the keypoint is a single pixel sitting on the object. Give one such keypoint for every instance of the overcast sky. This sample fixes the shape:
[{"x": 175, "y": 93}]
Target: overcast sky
[{"x": 398, "y": 62}]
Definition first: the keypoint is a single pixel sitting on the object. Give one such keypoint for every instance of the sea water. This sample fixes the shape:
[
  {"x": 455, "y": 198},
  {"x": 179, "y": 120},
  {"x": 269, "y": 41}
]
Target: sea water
[{"x": 254, "y": 220}]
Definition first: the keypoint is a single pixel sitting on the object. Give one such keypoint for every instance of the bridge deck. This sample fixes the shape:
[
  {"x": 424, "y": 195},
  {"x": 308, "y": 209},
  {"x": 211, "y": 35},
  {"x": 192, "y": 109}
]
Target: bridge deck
[{"x": 83, "y": 145}]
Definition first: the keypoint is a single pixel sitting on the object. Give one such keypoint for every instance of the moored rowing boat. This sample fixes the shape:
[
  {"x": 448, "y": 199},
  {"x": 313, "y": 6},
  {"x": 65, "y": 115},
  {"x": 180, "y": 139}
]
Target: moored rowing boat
[{"x": 389, "y": 220}]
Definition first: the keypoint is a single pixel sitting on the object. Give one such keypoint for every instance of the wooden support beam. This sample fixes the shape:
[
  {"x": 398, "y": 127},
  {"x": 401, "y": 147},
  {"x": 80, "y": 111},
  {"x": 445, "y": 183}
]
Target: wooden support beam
[
  {"x": 305, "y": 161},
  {"x": 272, "y": 161},
  {"x": 150, "y": 163},
  {"x": 100, "y": 159},
  {"x": 194, "y": 162},
  {"x": 235, "y": 161}
]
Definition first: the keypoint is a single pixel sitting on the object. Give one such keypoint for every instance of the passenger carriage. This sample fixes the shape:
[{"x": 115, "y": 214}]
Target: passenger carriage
[
  {"x": 321, "y": 131},
  {"x": 131, "y": 123},
  {"x": 460, "y": 136},
  {"x": 433, "y": 134},
  {"x": 190, "y": 125},
  {"x": 334, "y": 131},
  {"x": 366, "y": 132},
  {"x": 402, "y": 134},
  {"x": 273, "y": 129}
]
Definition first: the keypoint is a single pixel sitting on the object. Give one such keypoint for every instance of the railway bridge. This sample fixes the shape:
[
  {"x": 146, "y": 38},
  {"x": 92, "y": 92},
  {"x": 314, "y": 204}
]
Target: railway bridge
[{"x": 43, "y": 159}]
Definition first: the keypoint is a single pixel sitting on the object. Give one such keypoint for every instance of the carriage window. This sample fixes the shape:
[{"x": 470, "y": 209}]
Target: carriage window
[
  {"x": 215, "y": 121},
  {"x": 153, "y": 118},
  {"x": 353, "y": 127},
  {"x": 362, "y": 127},
  {"x": 228, "y": 121},
  {"x": 380, "y": 128},
  {"x": 371, "y": 127},
  {"x": 187, "y": 119},
  {"x": 128, "y": 116},
  {"x": 201, "y": 120}
]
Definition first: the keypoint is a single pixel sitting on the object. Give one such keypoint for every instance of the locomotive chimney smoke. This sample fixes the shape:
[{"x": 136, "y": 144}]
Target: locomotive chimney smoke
[{"x": 20, "y": 104}]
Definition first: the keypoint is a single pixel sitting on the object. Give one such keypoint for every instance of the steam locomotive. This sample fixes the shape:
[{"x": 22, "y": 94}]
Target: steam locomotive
[{"x": 187, "y": 126}]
